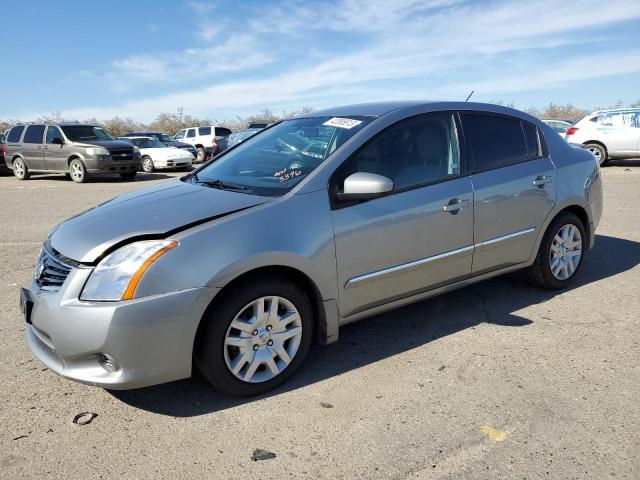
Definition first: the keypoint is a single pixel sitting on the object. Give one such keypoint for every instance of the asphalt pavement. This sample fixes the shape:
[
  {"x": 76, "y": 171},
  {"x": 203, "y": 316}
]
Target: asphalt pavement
[{"x": 497, "y": 380}]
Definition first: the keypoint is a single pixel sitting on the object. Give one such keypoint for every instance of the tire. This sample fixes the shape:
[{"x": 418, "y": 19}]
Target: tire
[
  {"x": 78, "y": 171},
  {"x": 201, "y": 154},
  {"x": 20, "y": 169},
  {"x": 599, "y": 151},
  {"x": 147, "y": 165},
  {"x": 541, "y": 272},
  {"x": 129, "y": 175},
  {"x": 213, "y": 356}
]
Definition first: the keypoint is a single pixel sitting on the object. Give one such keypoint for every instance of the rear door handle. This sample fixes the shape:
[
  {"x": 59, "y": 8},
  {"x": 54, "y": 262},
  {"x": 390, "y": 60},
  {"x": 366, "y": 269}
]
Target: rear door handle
[
  {"x": 455, "y": 205},
  {"x": 541, "y": 181}
]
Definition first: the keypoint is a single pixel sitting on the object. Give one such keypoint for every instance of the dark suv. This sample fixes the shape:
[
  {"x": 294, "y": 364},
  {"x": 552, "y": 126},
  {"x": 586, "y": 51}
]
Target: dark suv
[{"x": 77, "y": 150}]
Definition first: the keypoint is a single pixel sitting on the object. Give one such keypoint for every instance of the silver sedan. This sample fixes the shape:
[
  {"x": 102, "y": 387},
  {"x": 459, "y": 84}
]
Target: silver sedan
[{"x": 312, "y": 223}]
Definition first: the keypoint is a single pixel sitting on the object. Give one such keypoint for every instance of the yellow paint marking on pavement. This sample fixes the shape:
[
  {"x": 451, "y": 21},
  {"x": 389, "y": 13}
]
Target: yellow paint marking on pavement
[{"x": 494, "y": 434}]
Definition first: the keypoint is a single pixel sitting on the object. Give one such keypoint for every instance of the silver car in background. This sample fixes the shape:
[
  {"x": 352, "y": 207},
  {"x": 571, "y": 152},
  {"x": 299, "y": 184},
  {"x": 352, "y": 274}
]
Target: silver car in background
[{"x": 312, "y": 223}]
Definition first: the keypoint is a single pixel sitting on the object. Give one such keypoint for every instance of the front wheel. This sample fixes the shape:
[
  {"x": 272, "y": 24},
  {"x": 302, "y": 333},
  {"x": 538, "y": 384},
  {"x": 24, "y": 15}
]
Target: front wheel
[
  {"x": 20, "y": 169},
  {"x": 78, "y": 171},
  {"x": 599, "y": 152},
  {"x": 561, "y": 253},
  {"x": 255, "y": 337},
  {"x": 147, "y": 165},
  {"x": 200, "y": 154}
]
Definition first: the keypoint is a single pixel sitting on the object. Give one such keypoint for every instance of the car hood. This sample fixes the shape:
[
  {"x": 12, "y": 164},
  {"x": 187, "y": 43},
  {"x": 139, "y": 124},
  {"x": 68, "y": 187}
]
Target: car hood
[
  {"x": 108, "y": 144},
  {"x": 153, "y": 212}
]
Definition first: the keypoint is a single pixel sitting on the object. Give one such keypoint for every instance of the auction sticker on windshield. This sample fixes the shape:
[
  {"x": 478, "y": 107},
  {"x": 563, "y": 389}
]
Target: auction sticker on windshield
[{"x": 339, "y": 122}]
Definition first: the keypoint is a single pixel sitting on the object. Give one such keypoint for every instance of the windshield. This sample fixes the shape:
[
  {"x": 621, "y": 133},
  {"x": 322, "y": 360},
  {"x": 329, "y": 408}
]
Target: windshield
[
  {"x": 78, "y": 133},
  {"x": 163, "y": 137},
  {"x": 147, "y": 143},
  {"x": 275, "y": 160}
]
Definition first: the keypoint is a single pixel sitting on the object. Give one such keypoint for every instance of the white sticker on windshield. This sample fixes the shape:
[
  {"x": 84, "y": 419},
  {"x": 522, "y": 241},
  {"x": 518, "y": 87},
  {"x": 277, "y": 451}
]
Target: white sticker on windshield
[{"x": 342, "y": 122}]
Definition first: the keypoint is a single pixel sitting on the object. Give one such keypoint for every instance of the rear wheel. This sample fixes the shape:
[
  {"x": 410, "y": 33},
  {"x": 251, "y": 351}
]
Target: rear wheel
[
  {"x": 129, "y": 175},
  {"x": 147, "y": 165},
  {"x": 599, "y": 152},
  {"x": 78, "y": 171},
  {"x": 561, "y": 253},
  {"x": 256, "y": 337},
  {"x": 200, "y": 154},
  {"x": 20, "y": 169}
]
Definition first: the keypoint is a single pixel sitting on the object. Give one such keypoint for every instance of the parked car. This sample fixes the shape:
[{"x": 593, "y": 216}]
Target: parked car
[
  {"x": 205, "y": 139},
  {"x": 558, "y": 126},
  {"x": 3, "y": 165},
  {"x": 609, "y": 133},
  {"x": 237, "y": 137},
  {"x": 156, "y": 155},
  {"x": 75, "y": 149},
  {"x": 308, "y": 225},
  {"x": 166, "y": 139}
]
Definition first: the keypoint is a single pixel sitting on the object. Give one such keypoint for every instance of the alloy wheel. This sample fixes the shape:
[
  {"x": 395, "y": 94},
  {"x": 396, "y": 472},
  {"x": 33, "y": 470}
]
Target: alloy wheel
[
  {"x": 566, "y": 251},
  {"x": 147, "y": 165},
  {"x": 262, "y": 339},
  {"x": 597, "y": 153},
  {"x": 77, "y": 171},
  {"x": 18, "y": 168}
]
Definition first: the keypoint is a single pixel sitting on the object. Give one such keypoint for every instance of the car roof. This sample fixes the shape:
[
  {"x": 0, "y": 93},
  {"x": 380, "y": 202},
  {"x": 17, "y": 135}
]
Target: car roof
[
  {"x": 617, "y": 110},
  {"x": 139, "y": 137},
  {"x": 378, "y": 109}
]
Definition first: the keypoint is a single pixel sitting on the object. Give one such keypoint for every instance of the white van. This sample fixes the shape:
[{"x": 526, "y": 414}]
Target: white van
[{"x": 205, "y": 139}]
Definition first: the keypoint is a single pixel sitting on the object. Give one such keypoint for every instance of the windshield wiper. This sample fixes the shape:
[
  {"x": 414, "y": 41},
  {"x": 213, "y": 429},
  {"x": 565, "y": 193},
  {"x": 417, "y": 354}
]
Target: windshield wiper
[{"x": 220, "y": 184}]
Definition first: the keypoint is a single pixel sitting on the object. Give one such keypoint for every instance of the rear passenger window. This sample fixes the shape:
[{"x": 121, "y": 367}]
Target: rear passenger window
[
  {"x": 222, "y": 132},
  {"x": 191, "y": 133},
  {"x": 204, "y": 130},
  {"x": 532, "y": 136},
  {"x": 34, "y": 134},
  {"x": 496, "y": 141},
  {"x": 15, "y": 133}
]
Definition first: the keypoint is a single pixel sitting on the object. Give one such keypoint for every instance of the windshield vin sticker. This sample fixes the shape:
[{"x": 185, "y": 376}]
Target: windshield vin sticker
[{"x": 339, "y": 122}]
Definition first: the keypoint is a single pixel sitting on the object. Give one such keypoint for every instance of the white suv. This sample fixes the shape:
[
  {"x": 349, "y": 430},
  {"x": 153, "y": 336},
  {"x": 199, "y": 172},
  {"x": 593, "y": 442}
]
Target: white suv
[
  {"x": 609, "y": 133},
  {"x": 205, "y": 139}
]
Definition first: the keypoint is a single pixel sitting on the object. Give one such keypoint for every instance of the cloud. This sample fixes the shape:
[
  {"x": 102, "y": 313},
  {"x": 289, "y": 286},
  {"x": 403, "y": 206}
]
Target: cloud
[{"x": 314, "y": 53}]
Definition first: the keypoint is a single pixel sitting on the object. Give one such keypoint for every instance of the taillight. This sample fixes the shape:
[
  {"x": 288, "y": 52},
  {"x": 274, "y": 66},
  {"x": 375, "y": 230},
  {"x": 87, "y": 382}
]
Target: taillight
[
  {"x": 571, "y": 131},
  {"x": 214, "y": 144}
]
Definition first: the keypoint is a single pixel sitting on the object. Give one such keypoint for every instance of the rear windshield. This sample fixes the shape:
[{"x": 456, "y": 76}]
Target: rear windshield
[{"x": 78, "y": 133}]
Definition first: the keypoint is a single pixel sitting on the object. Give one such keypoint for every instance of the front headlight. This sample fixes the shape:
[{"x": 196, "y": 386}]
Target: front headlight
[
  {"x": 99, "y": 151},
  {"x": 117, "y": 276},
  {"x": 136, "y": 149}
]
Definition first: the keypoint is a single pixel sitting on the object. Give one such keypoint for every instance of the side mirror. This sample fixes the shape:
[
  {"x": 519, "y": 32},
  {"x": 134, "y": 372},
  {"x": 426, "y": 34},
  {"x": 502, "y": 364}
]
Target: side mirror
[
  {"x": 365, "y": 186},
  {"x": 57, "y": 141}
]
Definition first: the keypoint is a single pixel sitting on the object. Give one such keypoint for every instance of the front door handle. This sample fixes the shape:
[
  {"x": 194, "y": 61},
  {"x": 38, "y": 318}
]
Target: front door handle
[
  {"x": 455, "y": 205},
  {"x": 541, "y": 181}
]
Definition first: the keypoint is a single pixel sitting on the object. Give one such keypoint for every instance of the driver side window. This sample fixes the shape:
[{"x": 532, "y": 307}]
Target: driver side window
[{"x": 414, "y": 152}]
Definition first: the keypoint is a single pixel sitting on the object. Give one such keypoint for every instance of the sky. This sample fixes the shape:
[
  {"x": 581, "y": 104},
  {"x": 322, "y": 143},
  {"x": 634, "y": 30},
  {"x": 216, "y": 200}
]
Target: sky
[{"x": 223, "y": 59}]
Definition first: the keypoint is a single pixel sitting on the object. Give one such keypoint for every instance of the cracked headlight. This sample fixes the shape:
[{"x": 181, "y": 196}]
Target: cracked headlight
[{"x": 117, "y": 275}]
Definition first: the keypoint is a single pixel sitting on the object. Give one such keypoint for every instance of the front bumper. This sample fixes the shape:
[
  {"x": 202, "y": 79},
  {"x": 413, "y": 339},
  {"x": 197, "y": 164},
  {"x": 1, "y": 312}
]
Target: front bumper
[
  {"x": 148, "y": 340},
  {"x": 112, "y": 166},
  {"x": 173, "y": 163}
]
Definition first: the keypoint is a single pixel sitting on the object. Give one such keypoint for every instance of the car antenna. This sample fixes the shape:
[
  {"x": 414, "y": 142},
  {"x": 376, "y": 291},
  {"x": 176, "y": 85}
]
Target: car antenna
[{"x": 469, "y": 95}]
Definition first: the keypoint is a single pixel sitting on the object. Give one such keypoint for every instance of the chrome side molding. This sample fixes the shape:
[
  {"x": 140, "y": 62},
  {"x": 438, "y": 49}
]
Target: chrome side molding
[
  {"x": 416, "y": 263},
  {"x": 370, "y": 276}
]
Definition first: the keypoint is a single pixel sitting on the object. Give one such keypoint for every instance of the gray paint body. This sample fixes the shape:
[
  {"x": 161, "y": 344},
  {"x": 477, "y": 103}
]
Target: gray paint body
[{"x": 363, "y": 259}]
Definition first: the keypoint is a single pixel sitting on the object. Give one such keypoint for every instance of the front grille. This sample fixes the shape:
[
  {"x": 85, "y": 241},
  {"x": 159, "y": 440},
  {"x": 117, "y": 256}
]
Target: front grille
[
  {"x": 52, "y": 269},
  {"x": 122, "y": 154}
]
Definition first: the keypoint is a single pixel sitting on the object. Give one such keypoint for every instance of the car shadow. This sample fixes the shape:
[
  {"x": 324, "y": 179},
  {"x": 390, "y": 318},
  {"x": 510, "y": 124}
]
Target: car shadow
[
  {"x": 116, "y": 178},
  {"x": 623, "y": 163},
  {"x": 383, "y": 336}
]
